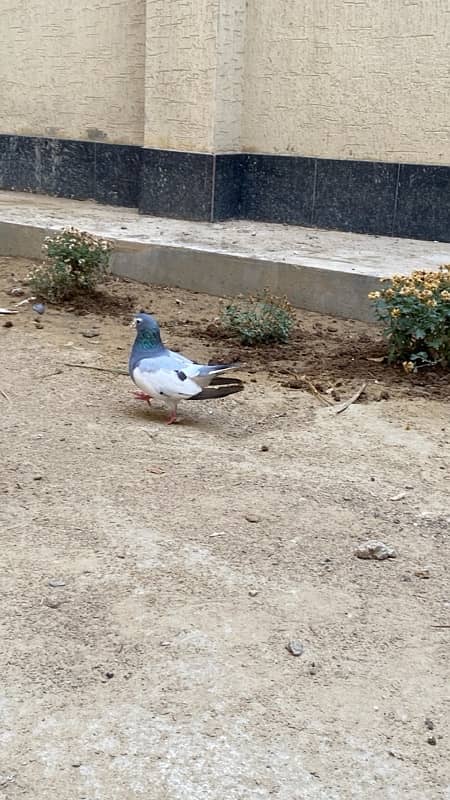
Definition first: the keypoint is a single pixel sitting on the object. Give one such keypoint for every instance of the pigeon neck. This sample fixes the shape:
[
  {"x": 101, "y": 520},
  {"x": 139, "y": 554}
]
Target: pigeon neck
[
  {"x": 147, "y": 344},
  {"x": 148, "y": 340}
]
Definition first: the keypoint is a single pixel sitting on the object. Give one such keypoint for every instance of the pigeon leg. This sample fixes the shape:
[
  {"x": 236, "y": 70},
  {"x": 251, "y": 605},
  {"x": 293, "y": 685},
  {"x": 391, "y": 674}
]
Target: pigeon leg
[
  {"x": 173, "y": 414},
  {"x": 143, "y": 396}
]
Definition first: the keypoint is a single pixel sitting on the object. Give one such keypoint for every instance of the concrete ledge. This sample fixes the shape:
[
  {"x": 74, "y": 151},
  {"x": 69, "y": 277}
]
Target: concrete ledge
[
  {"x": 328, "y": 272},
  {"x": 340, "y": 294}
]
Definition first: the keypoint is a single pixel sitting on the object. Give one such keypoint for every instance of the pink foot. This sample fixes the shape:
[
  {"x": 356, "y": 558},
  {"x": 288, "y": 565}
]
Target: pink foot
[
  {"x": 172, "y": 418},
  {"x": 143, "y": 396}
]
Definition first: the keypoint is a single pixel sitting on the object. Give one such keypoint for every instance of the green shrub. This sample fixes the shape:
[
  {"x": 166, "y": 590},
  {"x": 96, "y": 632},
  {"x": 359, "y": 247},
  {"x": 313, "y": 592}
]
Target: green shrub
[
  {"x": 415, "y": 312},
  {"x": 259, "y": 320},
  {"x": 74, "y": 263}
]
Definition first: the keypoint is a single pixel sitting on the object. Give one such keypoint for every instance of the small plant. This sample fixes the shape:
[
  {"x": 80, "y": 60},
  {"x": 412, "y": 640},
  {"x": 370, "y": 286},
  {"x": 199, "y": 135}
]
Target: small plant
[
  {"x": 74, "y": 263},
  {"x": 259, "y": 320},
  {"x": 415, "y": 312}
]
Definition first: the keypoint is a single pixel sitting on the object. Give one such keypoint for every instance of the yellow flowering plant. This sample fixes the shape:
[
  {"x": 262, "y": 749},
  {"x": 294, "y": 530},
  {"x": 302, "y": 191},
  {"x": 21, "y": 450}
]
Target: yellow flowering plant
[
  {"x": 74, "y": 263},
  {"x": 415, "y": 312}
]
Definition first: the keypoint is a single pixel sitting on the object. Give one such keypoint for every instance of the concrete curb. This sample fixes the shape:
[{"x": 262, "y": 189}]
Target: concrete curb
[{"x": 326, "y": 291}]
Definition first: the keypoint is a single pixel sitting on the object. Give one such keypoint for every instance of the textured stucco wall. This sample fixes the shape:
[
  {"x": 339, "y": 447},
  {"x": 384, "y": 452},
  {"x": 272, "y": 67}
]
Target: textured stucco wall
[
  {"x": 180, "y": 74},
  {"x": 194, "y": 74},
  {"x": 73, "y": 70},
  {"x": 357, "y": 79},
  {"x": 352, "y": 79}
]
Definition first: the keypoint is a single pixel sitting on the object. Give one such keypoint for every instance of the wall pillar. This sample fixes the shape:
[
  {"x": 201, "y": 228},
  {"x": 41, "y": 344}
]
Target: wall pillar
[{"x": 193, "y": 101}]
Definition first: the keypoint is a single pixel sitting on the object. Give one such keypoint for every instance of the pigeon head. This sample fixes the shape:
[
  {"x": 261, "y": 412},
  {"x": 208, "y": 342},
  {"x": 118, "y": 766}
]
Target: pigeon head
[
  {"x": 148, "y": 339},
  {"x": 146, "y": 323}
]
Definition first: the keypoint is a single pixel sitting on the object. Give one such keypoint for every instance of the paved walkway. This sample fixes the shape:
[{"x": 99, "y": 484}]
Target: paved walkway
[{"x": 325, "y": 271}]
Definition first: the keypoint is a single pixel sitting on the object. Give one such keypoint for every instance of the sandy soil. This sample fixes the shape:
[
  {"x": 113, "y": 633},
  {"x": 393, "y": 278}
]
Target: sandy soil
[{"x": 145, "y": 618}]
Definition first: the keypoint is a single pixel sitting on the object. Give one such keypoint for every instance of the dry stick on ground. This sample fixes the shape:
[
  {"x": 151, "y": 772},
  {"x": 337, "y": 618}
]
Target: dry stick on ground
[
  {"x": 115, "y": 371},
  {"x": 4, "y": 394},
  {"x": 339, "y": 409},
  {"x": 316, "y": 392}
]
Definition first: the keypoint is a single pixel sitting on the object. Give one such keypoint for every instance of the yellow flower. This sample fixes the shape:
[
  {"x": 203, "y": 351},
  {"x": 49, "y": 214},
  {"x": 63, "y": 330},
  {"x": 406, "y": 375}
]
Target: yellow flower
[
  {"x": 431, "y": 303},
  {"x": 408, "y": 366},
  {"x": 445, "y": 294},
  {"x": 396, "y": 312},
  {"x": 389, "y": 293},
  {"x": 374, "y": 295}
]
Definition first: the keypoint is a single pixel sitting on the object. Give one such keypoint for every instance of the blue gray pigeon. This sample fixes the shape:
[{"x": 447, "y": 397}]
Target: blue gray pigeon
[{"x": 169, "y": 376}]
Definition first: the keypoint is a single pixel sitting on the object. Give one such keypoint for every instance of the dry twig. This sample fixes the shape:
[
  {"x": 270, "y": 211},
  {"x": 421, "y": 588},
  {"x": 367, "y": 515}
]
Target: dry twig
[
  {"x": 343, "y": 406},
  {"x": 115, "y": 371}
]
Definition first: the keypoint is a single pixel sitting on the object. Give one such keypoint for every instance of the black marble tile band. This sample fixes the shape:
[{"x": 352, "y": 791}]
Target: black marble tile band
[{"x": 405, "y": 200}]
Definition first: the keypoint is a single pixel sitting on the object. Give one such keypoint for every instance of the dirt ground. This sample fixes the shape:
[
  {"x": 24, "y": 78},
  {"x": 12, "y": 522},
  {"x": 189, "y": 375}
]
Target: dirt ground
[{"x": 152, "y": 576}]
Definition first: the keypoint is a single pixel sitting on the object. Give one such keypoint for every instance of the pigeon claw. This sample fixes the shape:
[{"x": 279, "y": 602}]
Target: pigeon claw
[
  {"x": 172, "y": 418},
  {"x": 143, "y": 396}
]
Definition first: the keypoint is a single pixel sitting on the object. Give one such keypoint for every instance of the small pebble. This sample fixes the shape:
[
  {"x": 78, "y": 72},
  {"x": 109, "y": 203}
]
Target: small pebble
[
  {"x": 252, "y": 518},
  {"x": 295, "y": 647},
  {"x": 56, "y": 582},
  {"x": 52, "y": 602},
  {"x": 253, "y": 592},
  {"x": 375, "y": 550},
  {"x": 90, "y": 334},
  {"x": 8, "y": 324},
  {"x": 16, "y": 291},
  {"x": 431, "y": 740},
  {"x": 109, "y": 675},
  {"x": 429, "y": 724},
  {"x": 76, "y": 764},
  {"x": 423, "y": 573},
  {"x": 264, "y": 448},
  {"x": 39, "y": 308}
]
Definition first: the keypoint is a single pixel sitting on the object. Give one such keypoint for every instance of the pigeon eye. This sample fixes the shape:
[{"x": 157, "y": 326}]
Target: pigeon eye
[{"x": 138, "y": 319}]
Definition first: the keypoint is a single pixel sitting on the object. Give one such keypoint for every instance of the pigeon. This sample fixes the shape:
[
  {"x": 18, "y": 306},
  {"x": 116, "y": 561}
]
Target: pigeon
[{"x": 169, "y": 376}]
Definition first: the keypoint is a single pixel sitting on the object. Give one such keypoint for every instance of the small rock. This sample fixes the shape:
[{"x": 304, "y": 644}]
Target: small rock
[
  {"x": 264, "y": 448},
  {"x": 37, "y": 478},
  {"x": 429, "y": 724},
  {"x": 164, "y": 644},
  {"x": 295, "y": 647},
  {"x": 253, "y": 592},
  {"x": 56, "y": 583},
  {"x": 252, "y": 518},
  {"x": 312, "y": 668},
  {"x": 76, "y": 764},
  {"x": 16, "y": 291},
  {"x": 384, "y": 395},
  {"x": 8, "y": 324},
  {"x": 431, "y": 740},
  {"x": 39, "y": 308},
  {"x": 423, "y": 573},
  {"x": 91, "y": 334},
  {"x": 375, "y": 550},
  {"x": 109, "y": 675},
  {"x": 52, "y": 602}
]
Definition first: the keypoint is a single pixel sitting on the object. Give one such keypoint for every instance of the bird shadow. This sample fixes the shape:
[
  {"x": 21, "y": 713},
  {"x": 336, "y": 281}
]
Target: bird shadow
[{"x": 159, "y": 415}]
